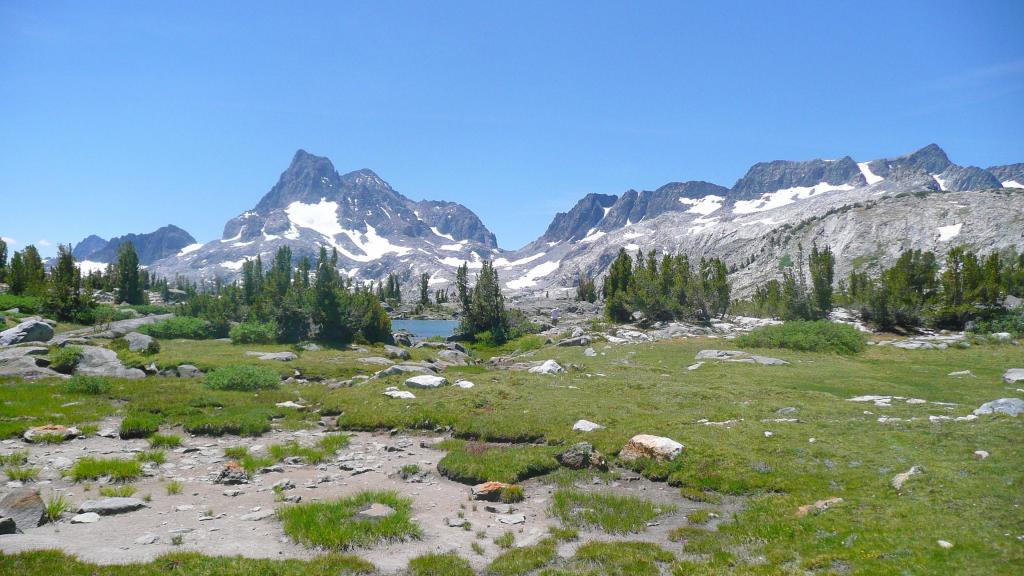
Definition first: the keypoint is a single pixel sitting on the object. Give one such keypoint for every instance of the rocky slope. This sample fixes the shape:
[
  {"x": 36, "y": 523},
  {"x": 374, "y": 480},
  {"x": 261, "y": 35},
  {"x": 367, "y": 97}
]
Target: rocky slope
[
  {"x": 868, "y": 211},
  {"x": 150, "y": 247}
]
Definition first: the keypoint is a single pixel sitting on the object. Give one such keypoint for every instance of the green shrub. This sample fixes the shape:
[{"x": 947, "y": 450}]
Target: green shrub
[
  {"x": 164, "y": 441},
  {"x": 253, "y": 333},
  {"x": 65, "y": 360},
  {"x": 56, "y": 506},
  {"x": 139, "y": 425},
  {"x": 1005, "y": 321},
  {"x": 816, "y": 336},
  {"x": 179, "y": 327},
  {"x": 243, "y": 378},
  {"x": 94, "y": 385}
]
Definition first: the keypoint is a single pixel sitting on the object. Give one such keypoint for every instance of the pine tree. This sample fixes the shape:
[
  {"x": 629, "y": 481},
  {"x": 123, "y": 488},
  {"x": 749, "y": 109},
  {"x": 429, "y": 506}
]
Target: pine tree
[
  {"x": 3, "y": 260},
  {"x": 64, "y": 298},
  {"x": 16, "y": 275},
  {"x": 279, "y": 277},
  {"x": 822, "y": 268},
  {"x": 129, "y": 288},
  {"x": 487, "y": 310},
  {"x": 34, "y": 272},
  {"x": 462, "y": 287},
  {"x": 424, "y": 289}
]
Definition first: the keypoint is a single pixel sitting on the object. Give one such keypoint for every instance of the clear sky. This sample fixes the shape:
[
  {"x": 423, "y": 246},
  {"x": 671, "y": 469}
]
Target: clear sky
[{"x": 121, "y": 117}]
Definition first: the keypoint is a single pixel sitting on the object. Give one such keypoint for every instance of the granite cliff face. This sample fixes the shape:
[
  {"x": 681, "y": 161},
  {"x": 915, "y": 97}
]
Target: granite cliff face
[{"x": 867, "y": 211}]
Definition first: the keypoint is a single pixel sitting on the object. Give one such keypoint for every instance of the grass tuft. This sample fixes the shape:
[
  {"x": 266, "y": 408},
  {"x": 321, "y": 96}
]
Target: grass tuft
[
  {"x": 117, "y": 469},
  {"x": 164, "y": 441},
  {"x": 613, "y": 514},
  {"x": 334, "y": 525},
  {"x": 447, "y": 564}
]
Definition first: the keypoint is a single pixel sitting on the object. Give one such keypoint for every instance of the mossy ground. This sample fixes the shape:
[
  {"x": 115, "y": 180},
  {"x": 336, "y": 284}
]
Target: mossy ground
[{"x": 630, "y": 389}]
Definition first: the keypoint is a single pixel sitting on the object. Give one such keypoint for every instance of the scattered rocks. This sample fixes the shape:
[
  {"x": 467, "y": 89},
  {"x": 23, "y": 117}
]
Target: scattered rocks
[
  {"x": 232, "y": 473},
  {"x": 586, "y": 426},
  {"x": 581, "y": 455},
  {"x": 393, "y": 392},
  {"x": 900, "y": 479},
  {"x": 818, "y": 506},
  {"x": 648, "y": 446},
  {"x": 24, "y": 506},
  {"x": 27, "y": 331},
  {"x": 279, "y": 356},
  {"x": 1008, "y": 406},
  {"x": 87, "y": 518},
  {"x": 547, "y": 367},
  {"x": 50, "y": 430},
  {"x": 375, "y": 511},
  {"x": 108, "y": 506}
]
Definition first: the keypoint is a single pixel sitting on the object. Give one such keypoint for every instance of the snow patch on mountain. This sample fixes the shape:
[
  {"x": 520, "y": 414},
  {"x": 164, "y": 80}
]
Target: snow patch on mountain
[
  {"x": 321, "y": 217},
  {"x": 88, "y": 266},
  {"x": 786, "y": 196},
  {"x": 947, "y": 233},
  {"x": 530, "y": 278},
  {"x": 1012, "y": 184},
  {"x": 871, "y": 177},
  {"x": 190, "y": 249},
  {"x": 703, "y": 206}
]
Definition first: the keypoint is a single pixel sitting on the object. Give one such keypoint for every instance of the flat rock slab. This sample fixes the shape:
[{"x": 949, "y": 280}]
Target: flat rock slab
[
  {"x": 1008, "y": 406},
  {"x": 87, "y": 518},
  {"x": 258, "y": 515},
  {"x": 586, "y": 426},
  {"x": 511, "y": 519},
  {"x": 279, "y": 356},
  {"x": 426, "y": 381},
  {"x": 737, "y": 356},
  {"x": 1013, "y": 375},
  {"x": 36, "y": 432},
  {"x": 396, "y": 353},
  {"x": 109, "y": 506},
  {"x": 403, "y": 369},
  {"x": 393, "y": 392}
]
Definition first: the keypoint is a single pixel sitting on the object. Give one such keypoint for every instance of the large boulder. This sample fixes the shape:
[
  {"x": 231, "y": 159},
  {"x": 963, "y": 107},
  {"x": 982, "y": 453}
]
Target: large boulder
[
  {"x": 27, "y": 362},
  {"x": 1013, "y": 375},
  {"x": 453, "y": 357},
  {"x": 24, "y": 506},
  {"x": 403, "y": 369},
  {"x": 96, "y": 361},
  {"x": 27, "y": 331},
  {"x": 426, "y": 381},
  {"x": 1008, "y": 406},
  {"x": 232, "y": 474},
  {"x": 648, "y": 446},
  {"x": 188, "y": 371},
  {"x": 739, "y": 356},
  {"x": 141, "y": 343}
]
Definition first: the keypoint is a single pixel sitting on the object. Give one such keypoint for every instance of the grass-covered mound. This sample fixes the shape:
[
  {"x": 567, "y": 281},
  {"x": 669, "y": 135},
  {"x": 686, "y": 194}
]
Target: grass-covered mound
[
  {"x": 612, "y": 513},
  {"x": 816, "y": 336},
  {"x": 179, "y": 327},
  {"x": 243, "y": 378},
  {"x": 476, "y": 462},
  {"x": 335, "y": 525}
]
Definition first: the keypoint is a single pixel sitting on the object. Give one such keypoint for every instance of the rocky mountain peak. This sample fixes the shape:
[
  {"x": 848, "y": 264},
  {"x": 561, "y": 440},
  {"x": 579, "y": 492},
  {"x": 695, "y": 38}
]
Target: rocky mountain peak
[
  {"x": 152, "y": 246},
  {"x": 307, "y": 179},
  {"x": 768, "y": 177}
]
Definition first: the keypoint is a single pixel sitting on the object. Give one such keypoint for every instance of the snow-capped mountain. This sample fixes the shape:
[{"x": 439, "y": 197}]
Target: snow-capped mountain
[
  {"x": 868, "y": 211},
  {"x": 375, "y": 229},
  {"x": 864, "y": 210}
]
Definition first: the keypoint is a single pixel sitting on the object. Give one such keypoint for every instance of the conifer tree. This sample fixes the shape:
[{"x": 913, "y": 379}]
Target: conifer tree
[
  {"x": 3, "y": 260},
  {"x": 462, "y": 287},
  {"x": 424, "y": 289},
  {"x": 34, "y": 272},
  {"x": 16, "y": 275},
  {"x": 64, "y": 298},
  {"x": 129, "y": 288},
  {"x": 822, "y": 268}
]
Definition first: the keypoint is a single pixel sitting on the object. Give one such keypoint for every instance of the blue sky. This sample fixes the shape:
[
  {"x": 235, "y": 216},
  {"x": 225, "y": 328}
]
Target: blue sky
[{"x": 124, "y": 116}]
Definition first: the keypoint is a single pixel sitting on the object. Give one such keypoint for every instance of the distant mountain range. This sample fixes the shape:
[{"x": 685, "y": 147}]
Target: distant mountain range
[{"x": 867, "y": 211}]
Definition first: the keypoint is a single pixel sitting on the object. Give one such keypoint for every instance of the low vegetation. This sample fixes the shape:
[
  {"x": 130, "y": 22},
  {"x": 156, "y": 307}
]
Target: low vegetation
[
  {"x": 94, "y": 385},
  {"x": 138, "y": 425},
  {"x": 243, "y": 378},
  {"x": 475, "y": 462},
  {"x": 64, "y": 360},
  {"x": 438, "y": 564},
  {"x": 117, "y": 469},
  {"x": 806, "y": 336},
  {"x": 181, "y": 564},
  {"x": 335, "y": 525}
]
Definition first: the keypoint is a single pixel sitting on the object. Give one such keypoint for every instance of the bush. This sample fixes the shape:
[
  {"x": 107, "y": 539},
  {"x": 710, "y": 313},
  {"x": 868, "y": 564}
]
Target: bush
[
  {"x": 64, "y": 360},
  {"x": 1005, "y": 321},
  {"x": 139, "y": 425},
  {"x": 243, "y": 378},
  {"x": 253, "y": 333},
  {"x": 816, "y": 336},
  {"x": 79, "y": 384},
  {"x": 179, "y": 327},
  {"x": 24, "y": 304}
]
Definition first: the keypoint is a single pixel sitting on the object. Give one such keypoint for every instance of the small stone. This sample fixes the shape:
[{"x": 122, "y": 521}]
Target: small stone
[
  {"x": 768, "y": 434},
  {"x": 900, "y": 479},
  {"x": 108, "y": 506},
  {"x": 511, "y": 519},
  {"x": 586, "y": 426},
  {"x": 944, "y": 544},
  {"x": 257, "y": 515},
  {"x": 981, "y": 454},
  {"x": 87, "y": 518},
  {"x": 465, "y": 384},
  {"x": 375, "y": 511},
  {"x": 488, "y": 491},
  {"x": 426, "y": 381},
  {"x": 455, "y": 522},
  {"x": 147, "y": 539},
  {"x": 818, "y": 506}
]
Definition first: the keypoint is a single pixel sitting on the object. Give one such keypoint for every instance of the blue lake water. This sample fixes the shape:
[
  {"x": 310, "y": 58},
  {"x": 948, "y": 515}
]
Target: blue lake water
[{"x": 426, "y": 328}]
